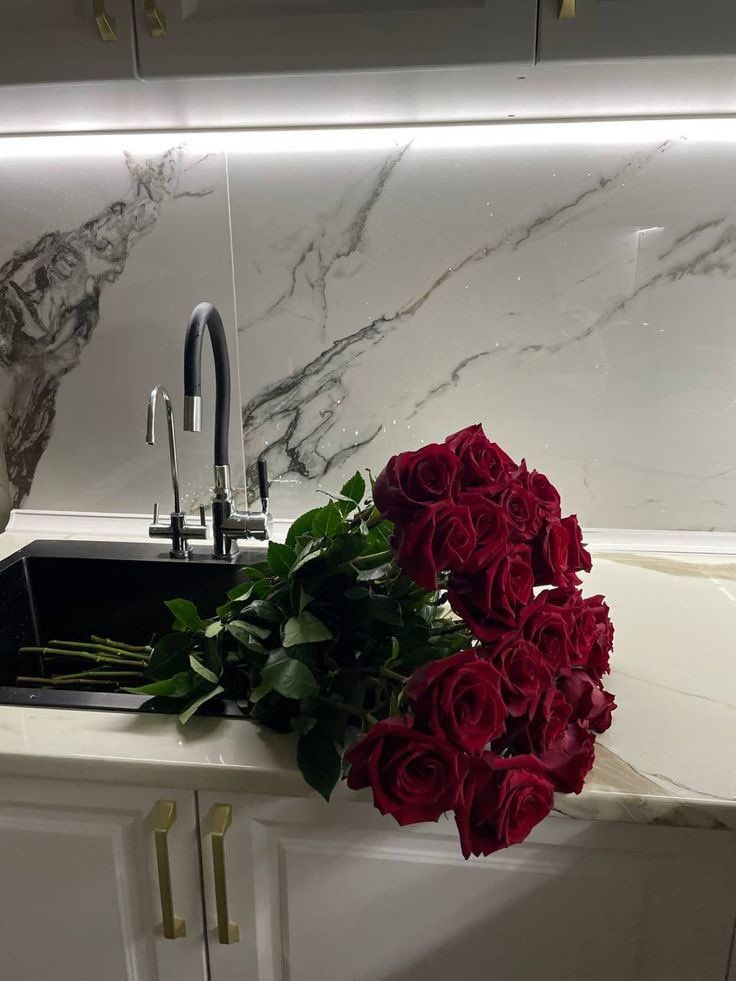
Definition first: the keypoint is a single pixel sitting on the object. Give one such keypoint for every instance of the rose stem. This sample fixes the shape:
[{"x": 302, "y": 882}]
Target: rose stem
[
  {"x": 84, "y": 655},
  {"x": 129, "y": 648}
]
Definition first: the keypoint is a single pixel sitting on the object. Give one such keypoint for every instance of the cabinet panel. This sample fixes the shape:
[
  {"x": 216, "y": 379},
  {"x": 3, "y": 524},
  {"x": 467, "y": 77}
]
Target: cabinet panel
[
  {"x": 60, "y": 41},
  {"x": 80, "y": 893},
  {"x": 219, "y": 37},
  {"x": 329, "y": 892},
  {"x": 613, "y": 29}
]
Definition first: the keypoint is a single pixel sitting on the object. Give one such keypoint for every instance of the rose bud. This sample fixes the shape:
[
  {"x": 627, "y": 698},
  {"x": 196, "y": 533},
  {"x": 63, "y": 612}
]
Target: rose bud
[
  {"x": 482, "y": 462},
  {"x": 492, "y": 599},
  {"x": 459, "y": 697},
  {"x": 544, "y": 493},
  {"x": 551, "y": 556},
  {"x": 412, "y": 480},
  {"x": 414, "y": 776},
  {"x": 439, "y": 538},
  {"x": 502, "y": 801}
]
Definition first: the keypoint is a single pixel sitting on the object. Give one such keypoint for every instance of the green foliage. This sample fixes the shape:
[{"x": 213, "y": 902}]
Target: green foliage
[{"x": 317, "y": 639}]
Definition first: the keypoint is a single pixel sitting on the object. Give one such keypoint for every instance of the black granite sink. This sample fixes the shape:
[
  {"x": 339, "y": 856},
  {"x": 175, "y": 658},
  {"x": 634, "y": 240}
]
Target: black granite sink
[{"x": 71, "y": 590}]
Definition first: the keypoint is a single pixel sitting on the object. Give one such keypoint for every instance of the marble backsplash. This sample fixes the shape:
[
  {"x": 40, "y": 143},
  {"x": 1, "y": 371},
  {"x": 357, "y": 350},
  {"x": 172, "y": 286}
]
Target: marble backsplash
[{"x": 570, "y": 285}]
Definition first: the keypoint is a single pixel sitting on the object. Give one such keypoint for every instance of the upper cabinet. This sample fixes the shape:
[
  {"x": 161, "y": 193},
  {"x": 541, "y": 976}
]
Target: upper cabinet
[
  {"x": 593, "y": 30},
  {"x": 220, "y": 37},
  {"x": 66, "y": 41}
]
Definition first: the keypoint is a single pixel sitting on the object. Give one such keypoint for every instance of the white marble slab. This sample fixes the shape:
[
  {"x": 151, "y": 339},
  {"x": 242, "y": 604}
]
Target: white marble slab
[
  {"x": 667, "y": 759},
  {"x": 105, "y": 247},
  {"x": 571, "y": 286}
]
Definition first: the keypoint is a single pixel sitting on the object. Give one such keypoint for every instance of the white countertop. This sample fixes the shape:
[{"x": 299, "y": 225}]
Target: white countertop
[{"x": 669, "y": 757}]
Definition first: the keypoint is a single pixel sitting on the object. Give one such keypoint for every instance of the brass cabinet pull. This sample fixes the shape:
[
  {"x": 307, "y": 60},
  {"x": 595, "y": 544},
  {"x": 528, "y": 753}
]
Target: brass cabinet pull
[
  {"x": 155, "y": 18},
  {"x": 567, "y": 10},
  {"x": 222, "y": 817},
  {"x": 105, "y": 22},
  {"x": 174, "y": 926}
]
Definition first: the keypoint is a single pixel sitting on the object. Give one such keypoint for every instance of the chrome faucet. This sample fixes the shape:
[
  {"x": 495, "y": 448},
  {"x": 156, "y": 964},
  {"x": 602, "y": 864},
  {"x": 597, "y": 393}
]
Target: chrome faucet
[
  {"x": 177, "y": 529},
  {"x": 228, "y": 524}
]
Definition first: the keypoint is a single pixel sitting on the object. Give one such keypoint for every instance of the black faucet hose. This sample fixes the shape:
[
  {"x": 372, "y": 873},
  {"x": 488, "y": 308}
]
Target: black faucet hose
[{"x": 205, "y": 315}]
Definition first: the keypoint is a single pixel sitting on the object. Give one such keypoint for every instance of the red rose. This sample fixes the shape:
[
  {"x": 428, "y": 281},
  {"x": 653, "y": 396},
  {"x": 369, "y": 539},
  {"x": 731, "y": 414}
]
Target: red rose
[
  {"x": 522, "y": 511},
  {"x": 525, "y": 674},
  {"x": 482, "y": 462},
  {"x": 438, "y": 538},
  {"x": 492, "y": 599},
  {"x": 578, "y": 559},
  {"x": 551, "y": 556},
  {"x": 459, "y": 698},
  {"x": 570, "y": 758},
  {"x": 590, "y": 703},
  {"x": 590, "y": 627},
  {"x": 547, "y": 724},
  {"x": 414, "y": 776},
  {"x": 491, "y": 531},
  {"x": 544, "y": 492},
  {"x": 502, "y": 800},
  {"x": 412, "y": 480},
  {"x": 549, "y": 628},
  {"x": 598, "y": 657}
]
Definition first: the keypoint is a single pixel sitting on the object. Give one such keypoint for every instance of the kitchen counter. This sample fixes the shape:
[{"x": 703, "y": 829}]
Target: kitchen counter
[{"x": 668, "y": 758}]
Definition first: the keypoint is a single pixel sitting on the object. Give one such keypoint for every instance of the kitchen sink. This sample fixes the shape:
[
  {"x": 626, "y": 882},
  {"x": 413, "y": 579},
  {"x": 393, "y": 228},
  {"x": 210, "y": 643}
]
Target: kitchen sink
[{"x": 71, "y": 590}]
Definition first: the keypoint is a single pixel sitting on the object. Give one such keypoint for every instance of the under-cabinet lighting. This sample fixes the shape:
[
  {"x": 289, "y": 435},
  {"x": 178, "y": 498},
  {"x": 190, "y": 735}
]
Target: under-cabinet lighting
[{"x": 449, "y": 136}]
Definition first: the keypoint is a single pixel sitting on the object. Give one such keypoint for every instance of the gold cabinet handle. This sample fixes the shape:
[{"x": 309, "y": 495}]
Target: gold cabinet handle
[
  {"x": 155, "y": 19},
  {"x": 222, "y": 817},
  {"x": 567, "y": 10},
  {"x": 105, "y": 22},
  {"x": 174, "y": 926}
]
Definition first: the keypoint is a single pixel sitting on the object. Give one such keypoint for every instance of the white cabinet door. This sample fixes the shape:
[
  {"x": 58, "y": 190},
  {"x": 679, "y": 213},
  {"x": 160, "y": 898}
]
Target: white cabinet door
[
  {"x": 613, "y": 29},
  {"x": 62, "y": 40},
  {"x": 221, "y": 37},
  {"x": 336, "y": 893},
  {"x": 80, "y": 899}
]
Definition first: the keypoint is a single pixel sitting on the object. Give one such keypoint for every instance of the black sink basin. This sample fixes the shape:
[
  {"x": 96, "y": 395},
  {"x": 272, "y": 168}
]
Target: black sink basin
[{"x": 71, "y": 590}]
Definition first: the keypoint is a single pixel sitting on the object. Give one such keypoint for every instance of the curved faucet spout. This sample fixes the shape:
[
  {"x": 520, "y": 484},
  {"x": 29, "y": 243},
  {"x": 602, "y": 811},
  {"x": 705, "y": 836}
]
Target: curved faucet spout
[
  {"x": 205, "y": 315},
  {"x": 151, "y": 436}
]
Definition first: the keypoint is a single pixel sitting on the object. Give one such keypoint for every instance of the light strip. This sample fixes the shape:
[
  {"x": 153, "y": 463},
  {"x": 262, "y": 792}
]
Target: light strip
[{"x": 449, "y": 136}]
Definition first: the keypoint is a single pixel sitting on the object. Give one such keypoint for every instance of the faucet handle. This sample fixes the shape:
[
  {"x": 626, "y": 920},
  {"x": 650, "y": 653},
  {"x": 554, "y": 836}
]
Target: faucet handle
[
  {"x": 155, "y": 513},
  {"x": 263, "y": 487},
  {"x": 202, "y": 516}
]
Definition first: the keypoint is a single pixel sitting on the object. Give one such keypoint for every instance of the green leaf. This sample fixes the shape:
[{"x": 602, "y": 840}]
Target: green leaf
[
  {"x": 305, "y": 629},
  {"x": 386, "y": 610},
  {"x": 186, "y": 713},
  {"x": 280, "y": 558},
  {"x": 263, "y": 610},
  {"x": 327, "y": 521},
  {"x": 213, "y": 629},
  {"x": 241, "y": 592},
  {"x": 187, "y": 617},
  {"x": 354, "y": 489},
  {"x": 372, "y": 575},
  {"x": 201, "y": 670},
  {"x": 170, "y": 656},
  {"x": 301, "y": 526},
  {"x": 304, "y": 599},
  {"x": 237, "y": 627},
  {"x": 308, "y": 554},
  {"x": 179, "y": 686},
  {"x": 302, "y": 723},
  {"x": 356, "y": 593},
  {"x": 287, "y": 677},
  {"x": 318, "y": 761}
]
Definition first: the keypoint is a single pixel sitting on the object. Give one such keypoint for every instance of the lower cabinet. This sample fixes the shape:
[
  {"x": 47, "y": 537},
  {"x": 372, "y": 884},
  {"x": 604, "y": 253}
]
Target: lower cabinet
[
  {"x": 318, "y": 892},
  {"x": 116, "y": 883},
  {"x": 81, "y": 870}
]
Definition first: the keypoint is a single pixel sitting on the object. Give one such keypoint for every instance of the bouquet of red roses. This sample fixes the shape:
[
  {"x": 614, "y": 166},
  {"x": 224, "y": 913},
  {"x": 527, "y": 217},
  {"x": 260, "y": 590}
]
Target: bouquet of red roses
[
  {"x": 490, "y": 732},
  {"x": 430, "y": 643}
]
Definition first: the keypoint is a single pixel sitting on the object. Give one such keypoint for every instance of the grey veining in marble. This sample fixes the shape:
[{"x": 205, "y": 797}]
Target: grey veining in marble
[{"x": 573, "y": 297}]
